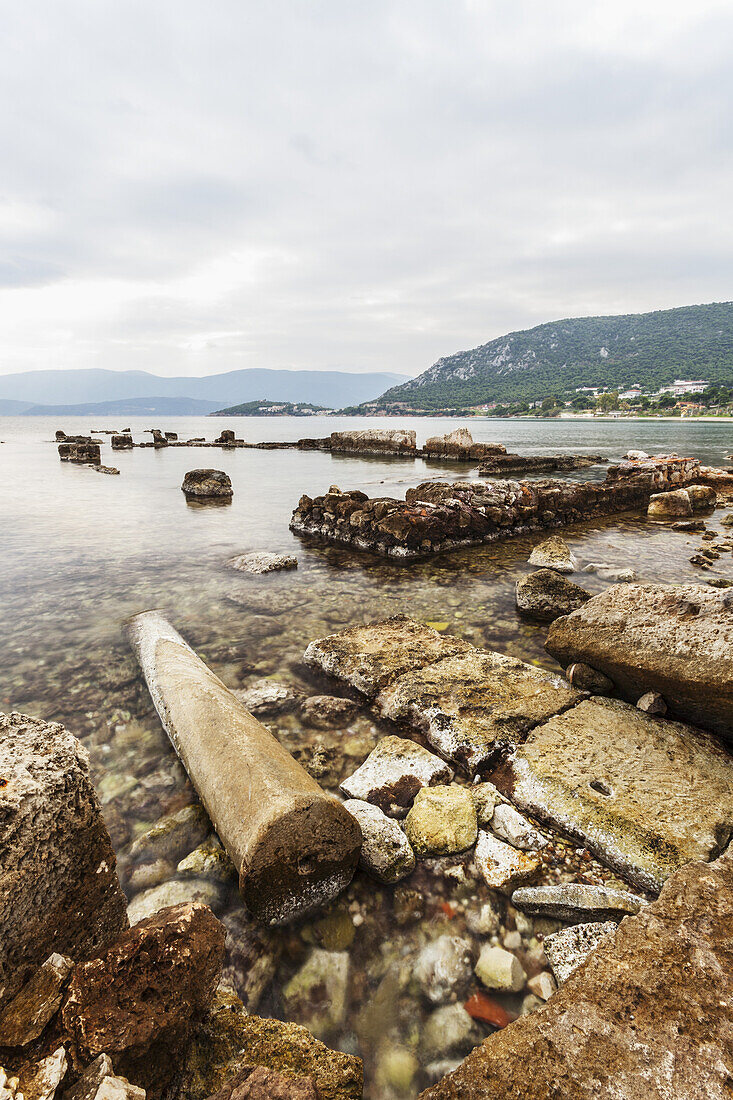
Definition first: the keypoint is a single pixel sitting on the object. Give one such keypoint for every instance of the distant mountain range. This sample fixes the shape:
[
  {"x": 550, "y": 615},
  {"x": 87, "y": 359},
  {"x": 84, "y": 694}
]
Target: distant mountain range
[
  {"x": 121, "y": 393},
  {"x": 648, "y": 349}
]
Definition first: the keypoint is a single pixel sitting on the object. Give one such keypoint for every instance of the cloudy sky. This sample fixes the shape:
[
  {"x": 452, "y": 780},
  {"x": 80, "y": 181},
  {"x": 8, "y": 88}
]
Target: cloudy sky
[{"x": 190, "y": 187}]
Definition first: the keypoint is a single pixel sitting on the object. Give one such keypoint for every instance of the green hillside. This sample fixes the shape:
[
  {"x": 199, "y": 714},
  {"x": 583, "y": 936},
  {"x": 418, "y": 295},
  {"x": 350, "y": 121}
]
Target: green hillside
[{"x": 648, "y": 349}]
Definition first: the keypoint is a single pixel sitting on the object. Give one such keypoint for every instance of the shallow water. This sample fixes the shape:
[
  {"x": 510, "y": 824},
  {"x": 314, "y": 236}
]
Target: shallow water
[{"x": 80, "y": 552}]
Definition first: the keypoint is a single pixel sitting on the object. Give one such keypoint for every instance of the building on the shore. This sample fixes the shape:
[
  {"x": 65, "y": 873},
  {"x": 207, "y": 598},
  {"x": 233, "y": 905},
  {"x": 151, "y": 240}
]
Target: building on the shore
[{"x": 683, "y": 386}]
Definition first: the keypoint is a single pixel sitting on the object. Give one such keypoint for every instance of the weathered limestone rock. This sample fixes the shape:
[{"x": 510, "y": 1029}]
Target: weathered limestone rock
[
  {"x": 368, "y": 657},
  {"x": 317, "y": 995},
  {"x": 674, "y": 639},
  {"x": 444, "y": 969},
  {"x": 262, "y": 561},
  {"x": 294, "y": 846},
  {"x": 677, "y": 503},
  {"x": 395, "y": 770},
  {"x": 328, "y": 711},
  {"x": 40, "y": 1080},
  {"x": 385, "y": 853},
  {"x": 644, "y": 794},
  {"x": 122, "y": 442},
  {"x": 228, "y": 1039},
  {"x": 589, "y": 679},
  {"x": 226, "y": 438},
  {"x": 118, "y": 1088},
  {"x": 191, "y": 891},
  {"x": 508, "y": 464},
  {"x": 702, "y": 497},
  {"x": 576, "y": 902},
  {"x": 554, "y": 553},
  {"x": 173, "y": 836},
  {"x": 442, "y": 821},
  {"x": 501, "y": 866},
  {"x": 207, "y": 485},
  {"x": 87, "y": 1085},
  {"x": 509, "y": 824},
  {"x": 82, "y": 451},
  {"x": 476, "y": 705},
  {"x": 259, "y": 1083},
  {"x": 58, "y": 885},
  {"x": 382, "y": 441},
  {"x": 546, "y": 594},
  {"x": 459, "y": 444},
  {"x": 568, "y": 948},
  {"x": 500, "y": 969},
  {"x": 136, "y": 1001},
  {"x": 40, "y": 998},
  {"x": 643, "y": 1018}
]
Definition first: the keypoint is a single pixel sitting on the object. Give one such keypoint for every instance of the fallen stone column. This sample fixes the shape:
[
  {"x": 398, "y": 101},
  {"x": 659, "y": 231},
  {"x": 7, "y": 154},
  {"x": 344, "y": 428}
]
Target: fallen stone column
[{"x": 295, "y": 846}]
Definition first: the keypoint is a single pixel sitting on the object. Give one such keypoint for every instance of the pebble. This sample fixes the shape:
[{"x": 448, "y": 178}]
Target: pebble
[
  {"x": 176, "y": 892},
  {"x": 652, "y": 703},
  {"x": 574, "y": 901},
  {"x": 501, "y": 866},
  {"x": 585, "y": 678},
  {"x": 444, "y": 969},
  {"x": 442, "y": 821},
  {"x": 447, "y": 1032},
  {"x": 500, "y": 969},
  {"x": 316, "y": 995},
  {"x": 485, "y": 798},
  {"x": 554, "y": 553},
  {"x": 267, "y": 698},
  {"x": 173, "y": 836},
  {"x": 483, "y": 921},
  {"x": 208, "y": 861},
  {"x": 511, "y": 826},
  {"x": 386, "y": 852},
  {"x": 542, "y": 985}
]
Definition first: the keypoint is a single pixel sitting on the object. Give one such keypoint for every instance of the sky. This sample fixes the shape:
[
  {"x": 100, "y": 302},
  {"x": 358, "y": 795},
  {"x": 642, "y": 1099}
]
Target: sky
[{"x": 190, "y": 187}]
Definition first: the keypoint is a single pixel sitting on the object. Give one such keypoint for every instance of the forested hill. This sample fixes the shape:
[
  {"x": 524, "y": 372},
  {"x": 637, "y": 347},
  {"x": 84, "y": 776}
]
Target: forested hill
[{"x": 648, "y": 349}]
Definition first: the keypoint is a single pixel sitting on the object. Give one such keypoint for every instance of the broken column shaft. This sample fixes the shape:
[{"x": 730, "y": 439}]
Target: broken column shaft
[{"x": 295, "y": 846}]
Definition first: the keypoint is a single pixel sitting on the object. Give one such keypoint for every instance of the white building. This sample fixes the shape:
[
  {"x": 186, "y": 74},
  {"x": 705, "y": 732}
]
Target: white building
[{"x": 682, "y": 386}]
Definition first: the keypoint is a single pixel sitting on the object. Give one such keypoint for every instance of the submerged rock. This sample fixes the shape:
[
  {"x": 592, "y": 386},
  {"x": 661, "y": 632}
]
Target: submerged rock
[
  {"x": 207, "y": 485},
  {"x": 208, "y": 861},
  {"x": 546, "y": 595},
  {"x": 554, "y": 553},
  {"x": 576, "y": 901},
  {"x": 173, "y": 836},
  {"x": 259, "y": 1083},
  {"x": 500, "y": 969},
  {"x": 568, "y": 948},
  {"x": 266, "y": 698},
  {"x": 393, "y": 773},
  {"x": 262, "y": 561},
  {"x": 442, "y": 821},
  {"x": 317, "y": 995},
  {"x": 444, "y": 969},
  {"x": 449, "y": 1032},
  {"x": 385, "y": 853},
  {"x": 199, "y": 891},
  {"x": 674, "y": 639},
  {"x": 328, "y": 711}
]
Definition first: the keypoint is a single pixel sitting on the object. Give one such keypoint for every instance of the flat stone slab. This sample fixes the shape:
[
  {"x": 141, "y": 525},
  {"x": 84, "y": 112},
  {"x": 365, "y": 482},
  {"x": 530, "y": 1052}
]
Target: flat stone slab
[
  {"x": 674, "y": 639},
  {"x": 576, "y": 901},
  {"x": 369, "y": 657},
  {"x": 476, "y": 705},
  {"x": 644, "y": 794},
  {"x": 647, "y": 1016}
]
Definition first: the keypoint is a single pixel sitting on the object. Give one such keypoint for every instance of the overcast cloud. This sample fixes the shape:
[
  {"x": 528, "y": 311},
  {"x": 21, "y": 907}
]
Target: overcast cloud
[{"x": 190, "y": 187}]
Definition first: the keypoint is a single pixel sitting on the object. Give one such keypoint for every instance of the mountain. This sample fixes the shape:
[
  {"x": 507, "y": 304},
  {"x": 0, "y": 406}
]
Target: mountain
[
  {"x": 333, "y": 389},
  {"x": 648, "y": 349},
  {"x": 13, "y": 408},
  {"x": 131, "y": 406}
]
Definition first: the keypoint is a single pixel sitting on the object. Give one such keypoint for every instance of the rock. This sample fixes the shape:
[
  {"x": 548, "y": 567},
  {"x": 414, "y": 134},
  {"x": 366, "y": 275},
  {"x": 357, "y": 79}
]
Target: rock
[
  {"x": 207, "y": 485},
  {"x": 624, "y": 576},
  {"x": 499, "y": 969},
  {"x": 576, "y": 902},
  {"x": 546, "y": 594},
  {"x": 554, "y": 553},
  {"x": 568, "y": 948},
  {"x": 474, "y": 707},
  {"x": 317, "y": 994},
  {"x": 368, "y": 657},
  {"x": 9, "y": 1085},
  {"x": 118, "y": 1088},
  {"x": 444, "y": 969},
  {"x": 689, "y": 525},
  {"x": 136, "y": 1001},
  {"x": 642, "y": 1018},
  {"x": 145, "y": 875},
  {"x": 589, "y": 679},
  {"x": 266, "y": 698},
  {"x": 448, "y": 1032},
  {"x": 644, "y": 794},
  {"x": 208, "y": 861},
  {"x": 259, "y": 1083},
  {"x": 258, "y": 562},
  {"x": 484, "y": 921},
  {"x": 41, "y": 1080},
  {"x": 122, "y": 442},
  {"x": 501, "y": 866},
  {"x": 442, "y": 821},
  {"x": 90, "y": 1080},
  {"x": 328, "y": 711},
  {"x": 39, "y": 999},
  {"x": 674, "y": 639},
  {"x": 485, "y": 798},
  {"x": 675, "y": 503},
  {"x": 386, "y": 853},
  {"x": 226, "y": 438},
  {"x": 702, "y": 497},
  {"x": 173, "y": 836},
  {"x": 228, "y": 1039},
  {"x": 727, "y": 520},
  {"x": 542, "y": 985},
  {"x": 395, "y": 770},
  {"x": 509, "y": 824},
  {"x": 252, "y": 955},
  {"x": 192, "y": 891},
  {"x": 652, "y": 703},
  {"x": 636, "y": 455},
  {"x": 59, "y": 891},
  {"x": 398, "y": 441}
]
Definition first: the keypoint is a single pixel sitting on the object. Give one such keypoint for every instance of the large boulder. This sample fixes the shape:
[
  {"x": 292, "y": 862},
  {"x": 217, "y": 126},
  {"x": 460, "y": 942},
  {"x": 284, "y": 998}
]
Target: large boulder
[
  {"x": 673, "y": 639},
  {"x": 399, "y": 441},
  {"x": 207, "y": 485},
  {"x": 546, "y": 595},
  {"x": 677, "y": 503},
  {"x": 644, "y": 1017},
  {"x": 59, "y": 890}
]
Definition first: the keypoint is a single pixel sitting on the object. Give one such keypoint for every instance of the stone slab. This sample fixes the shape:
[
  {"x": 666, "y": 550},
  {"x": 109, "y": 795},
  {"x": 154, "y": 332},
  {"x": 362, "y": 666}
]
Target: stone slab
[
  {"x": 647, "y": 1016},
  {"x": 644, "y": 794}
]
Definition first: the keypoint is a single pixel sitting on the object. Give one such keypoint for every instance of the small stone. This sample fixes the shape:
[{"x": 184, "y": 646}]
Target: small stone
[
  {"x": 485, "y": 798},
  {"x": 393, "y": 773},
  {"x": 144, "y": 876},
  {"x": 542, "y": 985},
  {"x": 511, "y": 826},
  {"x": 40, "y": 998},
  {"x": 207, "y": 485},
  {"x": 316, "y": 996},
  {"x": 328, "y": 711},
  {"x": 265, "y": 698},
  {"x": 568, "y": 948},
  {"x": 442, "y": 821},
  {"x": 397, "y": 1069},
  {"x": 90, "y": 1080},
  {"x": 576, "y": 902},
  {"x": 530, "y": 1003},
  {"x": 173, "y": 836},
  {"x": 689, "y": 525},
  {"x": 386, "y": 853},
  {"x": 447, "y": 1032},
  {"x": 652, "y": 703},
  {"x": 117, "y": 1088},
  {"x": 546, "y": 594},
  {"x": 499, "y": 969},
  {"x": 444, "y": 969},
  {"x": 40, "y": 1081},
  {"x": 259, "y": 562},
  {"x": 188, "y": 892},
  {"x": 626, "y": 576},
  {"x": 554, "y": 553},
  {"x": 589, "y": 679},
  {"x": 484, "y": 921},
  {"x": 208, "y": 861},
  {"x": 501, "y": 866}
]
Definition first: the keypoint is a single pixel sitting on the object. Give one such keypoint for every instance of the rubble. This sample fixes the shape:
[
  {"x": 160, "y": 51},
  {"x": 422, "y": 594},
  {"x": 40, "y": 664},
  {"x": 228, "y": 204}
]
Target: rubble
[{"x": 393, "y": 773}]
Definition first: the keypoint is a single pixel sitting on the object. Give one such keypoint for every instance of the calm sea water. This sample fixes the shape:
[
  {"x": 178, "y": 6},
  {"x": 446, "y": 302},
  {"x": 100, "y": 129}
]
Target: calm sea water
[{"x": 80, "y": 552}]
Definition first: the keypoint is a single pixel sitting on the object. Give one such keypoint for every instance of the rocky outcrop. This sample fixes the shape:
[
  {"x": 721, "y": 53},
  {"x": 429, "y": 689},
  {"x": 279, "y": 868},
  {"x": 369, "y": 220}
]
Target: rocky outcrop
[
  {"x": 673, "y": 639},
  {"x": 137, "y": 1000},
  {"x": 379, "y": 441},
  {"x": 459, "y": 444},
  {"x": 58, "y": 884},
  {"x": 81, "y": 451},
  {"x": 207, "y": 485},
  {"x": 545, "y": 595},
  {"x": 643, "y": 1017},
  {"x": 122, "y": 442},
  {"x": 504, "y": 464}
]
